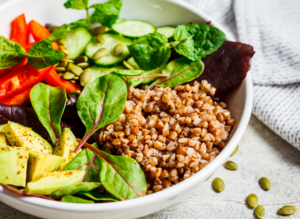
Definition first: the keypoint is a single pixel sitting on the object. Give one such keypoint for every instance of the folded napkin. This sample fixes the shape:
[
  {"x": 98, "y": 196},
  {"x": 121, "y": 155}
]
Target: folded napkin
[{"x": 272, "y": 28}]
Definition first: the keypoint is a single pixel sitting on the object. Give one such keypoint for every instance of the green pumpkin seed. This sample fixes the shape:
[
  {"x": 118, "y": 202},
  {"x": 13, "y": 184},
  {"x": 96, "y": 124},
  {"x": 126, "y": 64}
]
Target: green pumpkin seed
[
  {"x": 61, "y": 74},
  {"x": 100, "y": 53},
  {"x": 62, "y": 42},
  {"x": 260, "y": 211},
  {"x": 83, "y": 65},
  {"x": 67, "y": 60},
  {"x": 53, "y": 28},
  {"x": 75, "y": 69},
  {"x": 252, "y": 200},
  {"x": 73, "y": 81},
  {"x": 81, "y": 59},
  {"x": 68, "y": 76},
  {"x": 63, "y": 64},
  {"x": 76, "y": 78},
  {"x": 75, "y": 92},
  {"x": 85, "y": 77},
  {"x": 288, "y": 209},
  {"x": 235, "y": 150},
  {"x": 218, "y": 184},
  {"x": 100, "y": 39},
  {"x": 60, "y": 69},
  {"x": 99, "y": 30},
  {"x": 119, "y": 49},
  {"x": 64, "y": 50},
  {"x": 127, "y": 65},
  {"x": 231, "y": 165},
  {"x": 265, "y": 183}
]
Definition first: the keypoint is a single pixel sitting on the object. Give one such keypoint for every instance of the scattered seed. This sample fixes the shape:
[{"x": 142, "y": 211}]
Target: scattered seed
[
  {"x": 231, "y": 165},
  {"x": 73, "y": 81},
  {"x": 83, "y": 65},
  {"x": 81, "y": 59},
  {"x": 288, "y": 209},
  {"x": 218, "y": 184},
  {"x": 127, "y": 65},
  {"x": 68, "y": 76},
  {"x": 75, "y": 92},
  {"x": 119, "y": 49},
  {"x": 100, "y": 39},
  {"x": 76, "y": 78},
  {"x": 85, "y": 77},
  {"x": 100, "y": 53},
  {"x": 265, "y": 183},
  {"x": 260, "y": 211},
  {"x": 61, "y": 74},
  {"x": 235, "y": 150},
  {"x": 60, "y": 69},
  {"x": 62, "y": 42},
  {"x": 99, "y": 30},
  {"x": 63, "y": 64},
  {"x": 252, "y": 200},
  {"x": 75, "y": 69},
  {"x": 67, "y": 60},
  {"x": 64, "y": 50}
]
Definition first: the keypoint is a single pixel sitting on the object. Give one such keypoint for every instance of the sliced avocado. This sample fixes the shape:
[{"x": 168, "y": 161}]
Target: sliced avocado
[
  {"x": 20, "y": 136},
  {"x": 52, "y": 181},
  {"x": 66, "y": 146},
  {"x": 13, "y": 165},
  {"x": 39, "y": 164}
]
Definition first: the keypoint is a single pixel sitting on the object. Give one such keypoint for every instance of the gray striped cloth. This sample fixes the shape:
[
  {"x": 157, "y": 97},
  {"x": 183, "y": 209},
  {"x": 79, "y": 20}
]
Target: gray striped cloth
[{"x": 273, "y": 29}]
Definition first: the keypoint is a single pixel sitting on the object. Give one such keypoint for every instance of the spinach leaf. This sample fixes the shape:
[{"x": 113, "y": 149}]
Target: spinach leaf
[
  {"x": 150, "y": 51},
  {"x": 99, "y": 196},
  {"x": 49, "y": 104},
  {"x": 180, "y": 71},
  {"x": 100, "y": 103},
  {"x": 197, "y": 40},
  {"x": 73, "y": 199},
  {"x": 77, "y": 4},
  {"x": 73, "y": 189},
  {"x": 106, "y": 13},
  {"x": 11, "y": 53}
]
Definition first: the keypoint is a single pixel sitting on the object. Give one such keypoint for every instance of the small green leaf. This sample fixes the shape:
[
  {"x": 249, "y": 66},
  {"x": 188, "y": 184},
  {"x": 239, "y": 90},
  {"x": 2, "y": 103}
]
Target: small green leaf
[
  {"x": 73, "y": 199},
  {"x": 150, "y": 51},
  {"x": 106, "y": 13},
  {"x": 77, "y": 4},
  {"x": 42, "y": 55},
  {"x": 99, "y": 196},
  {"x": 11, "y": 54},
  {"x": 49, "y": 104}
]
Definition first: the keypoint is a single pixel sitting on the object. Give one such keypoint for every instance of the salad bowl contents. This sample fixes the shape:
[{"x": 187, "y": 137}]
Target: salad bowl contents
[{"x": 105, "y": 109}]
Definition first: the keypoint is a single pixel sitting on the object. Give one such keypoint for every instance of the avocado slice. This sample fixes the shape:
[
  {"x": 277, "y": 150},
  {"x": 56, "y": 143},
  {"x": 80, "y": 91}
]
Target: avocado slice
[
  {"x": 38, "y": 164},
  {"x": 2, "y": 135},
  {"x": 66, "y": 146},
  {"x": 13, "y": 165},
  {"x": 20, "y": 136},
  {"x": 52, "y": 181}
]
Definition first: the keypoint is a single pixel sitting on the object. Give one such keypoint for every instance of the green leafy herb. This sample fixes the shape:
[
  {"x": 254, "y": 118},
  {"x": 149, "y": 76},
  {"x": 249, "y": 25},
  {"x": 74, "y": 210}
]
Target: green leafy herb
[
  {"x": 99, "y": 196},
  {"x": 77, "y": 4},
  {"x": 150, "y": 51},
  {"x": 49, "y": 104},
  {"x": 196, "y": 41},
  {"x": 180, "y": 71},
  {"x": 106, "y": 13},
  {"x": 73, "y": 199},
  {"x": 11, "y": 54},
  {"x": 73, "y": 189},
  {"x": 100, "y": 103}
]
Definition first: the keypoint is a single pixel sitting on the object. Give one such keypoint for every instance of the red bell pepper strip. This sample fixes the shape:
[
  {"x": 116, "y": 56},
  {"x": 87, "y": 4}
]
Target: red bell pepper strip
[
  {"x": 55, "y": 80},
  {"x": 21, "y": 79},
  {"x": 19, "y": 31},
  {"x": 19, "y": 99},
  {"x": 40, "y": 32}
]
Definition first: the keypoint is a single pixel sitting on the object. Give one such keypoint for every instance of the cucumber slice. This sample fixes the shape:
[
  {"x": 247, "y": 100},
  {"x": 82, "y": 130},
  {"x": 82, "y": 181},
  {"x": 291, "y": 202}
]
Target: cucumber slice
[
  {"x": 100, "y": 71},
  {"x": 110, "y": 59},
  {"x": 77, "y": 40},
  {"x": 168, "y": 31},
  {"x": 133, "y": 28}
]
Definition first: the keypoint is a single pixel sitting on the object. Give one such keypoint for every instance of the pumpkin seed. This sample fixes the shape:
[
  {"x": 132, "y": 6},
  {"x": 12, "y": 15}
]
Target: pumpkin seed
[
  {"x": 68, "y": 67},
  {"x": 99, "y": 30},
  {"x": 62, "y": 42},
  {"x": 260, "y": 211},
  {"x": 252, "y": 200},
  {"x": 265, "y": 183},
  {"x": 127, "y": 65},
  {"x": 100, "y": 53},
  {"x": 81, "y": 59},
  {"x": 75, "y": 92},
  {"x": 76, "y": 78},
  {"x": 73, "y": 81},
  {"x": 68, "y": 60},
  {"x": 60, "y": 69},
  {"x": 288, "y": 209},
  {"x": 64, "y": 50},
  {"x": 119, "y": 49},
  {"x": 75, "y": 69},
  {"x": 100, "y": 39},
  {"x": 218, "y": 184},
  {"x": 61, "y": 74},
  {"x": 231, "y": 165},
  {"x": 83, "y": 65},
  {"x": 85, "y": 77},
  {"x": 63, "y": 64},
  {"x": 235, "y": 150},
  {"x": 68, "y": 76}
]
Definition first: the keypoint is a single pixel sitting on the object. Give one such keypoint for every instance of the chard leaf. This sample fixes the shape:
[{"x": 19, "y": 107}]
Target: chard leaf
[
  {"x": 100, "y": 103},
  {"x": 106, "y": 13},
  {"x": 77, "y": 4},
  {"x": 99, "y": 196},
  {"x": 73, "y": 199},
  {"x": 11, "y": 53},
  {"x": 73, "y": 189},
  {"x": 196, "y": 41},
  {"x": 150, "y": 51},
  {"x": 49, "y": 104},
  {"x": 42, "y": 55},
  {"x": 180, "y": 71}
]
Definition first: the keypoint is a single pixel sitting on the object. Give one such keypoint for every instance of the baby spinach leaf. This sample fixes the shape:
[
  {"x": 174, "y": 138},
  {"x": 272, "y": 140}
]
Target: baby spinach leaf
[
  {"x": 99, "y": 196},
  {"x": 196, "y": 41},
  {"x": 49, "y": 104},
  {"x": 100, "y": 103},
  {"x": 42, "y": 55},
  {"x": 11, "y": 54},
  {"x": 73, "y": 199},
  {"x": 150, "y": 51},
  {"x": 106, "y": 13},
  {"x": 77, "y": 4},
  {"x": 180, "y": 71},
  {"x": 73, "y": 189}
]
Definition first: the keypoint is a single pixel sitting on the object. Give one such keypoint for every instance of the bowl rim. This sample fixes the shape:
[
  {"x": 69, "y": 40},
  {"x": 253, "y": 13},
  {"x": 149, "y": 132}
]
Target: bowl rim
[{"x": 167, "y": 193}]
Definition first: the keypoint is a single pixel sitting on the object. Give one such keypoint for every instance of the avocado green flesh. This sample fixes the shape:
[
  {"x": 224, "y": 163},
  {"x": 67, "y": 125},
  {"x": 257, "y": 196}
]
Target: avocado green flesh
[
  {"x": 39, "y": 164},
  {"x": 13, "y": 165},
  {"x": 52, "y": 181},
  {"x": 20, "y": 136}
]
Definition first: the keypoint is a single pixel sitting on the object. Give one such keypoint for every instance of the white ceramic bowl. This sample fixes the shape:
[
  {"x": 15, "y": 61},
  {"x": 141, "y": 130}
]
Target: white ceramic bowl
[{"x": 158, "y": 12}]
